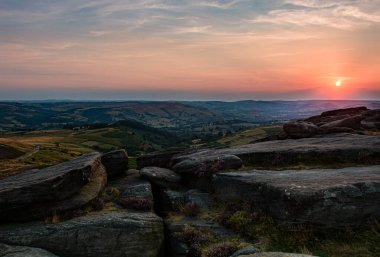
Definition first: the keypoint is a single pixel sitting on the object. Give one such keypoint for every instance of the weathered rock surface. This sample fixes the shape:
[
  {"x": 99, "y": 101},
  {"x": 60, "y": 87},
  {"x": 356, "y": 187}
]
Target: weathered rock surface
[
  {"x": 23, "y": 251},
  {"x": 246, "y": 251},
  {"x": 116, "y": 234},
  {"x": 194, "y": 164},
  {"x": 161, "y": 177},
  {"x": 276, "y": 254},
  {"x": 327, "y": 150},
  {"x": 335, "y": 121},
  {"x": 115, "y": 162},
  {"x": 136, "y": 193},
  {"x": 37, "y": 193},
  {"x": 300, "y": 129},
  {"x": 329, "y": 198},
  {"x": 159, "y": 158}
]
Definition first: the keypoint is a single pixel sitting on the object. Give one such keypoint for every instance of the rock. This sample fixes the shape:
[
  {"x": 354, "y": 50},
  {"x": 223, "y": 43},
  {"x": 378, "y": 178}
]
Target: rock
[
  {"x": 300, "y": 129},
  {"x": 22, "y": 251},
  {"x": 371, "y": 120},
  {"x": 159, "y": 158},
  {"x": 115, "y": 162},
  {"x": 161, "y": 177},
  {"x": 347, "y": 111},
  {"x": 348, "y": 123},
  {"x": 136, "y": 193},
  {"x": 336, "y": 121},
  {"x": 207, "y": 164},
  {"x": 276, "y": 254},
  {"x": 203, "y": 200},
  {"x": 171, "y": 200},
  {"x": 245, "y": 251},
  {"x": 323, "y": 198},
  {"x": 115, "y": 233},
  {"x": 323, "y": 150},
  {"x": 35, "y": 193}
]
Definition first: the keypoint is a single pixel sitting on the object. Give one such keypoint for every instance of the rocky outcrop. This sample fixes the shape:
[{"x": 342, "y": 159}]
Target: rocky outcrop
[
  {"x": 113, "y": 233},
  {"x": 300, "y": 129},
  {"x": 23, "y": 251},
  {"x": 160, "y": 176},
  {"x": 328, "y": 198},
  {"x": 115, "y": 162},
  {"x": 325, "y": 150},
  {"x": 40, "y": 193},
  {"x": 335, "y": 121}
]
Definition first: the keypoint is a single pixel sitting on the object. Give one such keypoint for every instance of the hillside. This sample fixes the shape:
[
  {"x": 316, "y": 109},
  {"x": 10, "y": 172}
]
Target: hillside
[{"x": 25, "y": 150}]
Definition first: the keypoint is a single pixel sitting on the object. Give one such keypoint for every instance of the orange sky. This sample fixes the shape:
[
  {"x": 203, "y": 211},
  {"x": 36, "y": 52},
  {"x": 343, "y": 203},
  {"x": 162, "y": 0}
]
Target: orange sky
[{"x": 238, "y": 49}]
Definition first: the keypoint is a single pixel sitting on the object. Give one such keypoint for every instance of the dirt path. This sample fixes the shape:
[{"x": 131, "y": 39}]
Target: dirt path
[{"x": 24, "y": 156}]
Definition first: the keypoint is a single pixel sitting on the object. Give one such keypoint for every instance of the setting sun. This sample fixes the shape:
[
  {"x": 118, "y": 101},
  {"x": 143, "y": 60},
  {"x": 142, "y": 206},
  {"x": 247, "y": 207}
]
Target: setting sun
[{"x": 338, "y": 83}]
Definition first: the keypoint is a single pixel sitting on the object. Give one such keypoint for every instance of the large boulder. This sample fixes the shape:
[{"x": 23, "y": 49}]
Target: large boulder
[
  {"x": 115, "y": 162},
  {"x": 115, "y": 233},
  {"x": 161, "y": 177},
  {"x": 300, "y": 129},
  {"x": 159, "y": 158},
  {"x": 23, "y": 251},
  {"x": 351, "y": 120},
  {"x": 327, "y": 150},
  {"x": 40, "y": 193},
  {"x": 324, "y": 198}
]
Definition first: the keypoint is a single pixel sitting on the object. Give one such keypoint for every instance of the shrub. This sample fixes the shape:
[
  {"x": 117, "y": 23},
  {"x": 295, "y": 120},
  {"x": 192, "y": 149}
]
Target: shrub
[
  {"x": 195, "y": 238},
  {"x": 225, "y": 249},
  {"x": 136, "y": 203},
  {"x": 240, "y": 221},
  {"x": 191, "y": 209}
]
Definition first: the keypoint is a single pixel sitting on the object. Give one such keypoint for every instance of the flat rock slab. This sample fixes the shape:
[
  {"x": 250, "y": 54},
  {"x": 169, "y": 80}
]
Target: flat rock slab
[
  {"x": 160, "y": 176},
  {"x": 23, "y": 251},
  {"x": 331, "y": 198},
  {"x": 24, "y": 191},
  {"x": 116, "y": 234},
  {"x": 276, "y": 254},
  {"x": 327, "y": 150}
]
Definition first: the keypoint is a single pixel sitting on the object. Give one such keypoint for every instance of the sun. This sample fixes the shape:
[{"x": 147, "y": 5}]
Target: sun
[{"x": 338, "y": 83}]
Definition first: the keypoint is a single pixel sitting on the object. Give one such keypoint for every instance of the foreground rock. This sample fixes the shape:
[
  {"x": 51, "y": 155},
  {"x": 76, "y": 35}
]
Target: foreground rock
[
  {"x": 159, "y": 158},
  {"x": 115, "y": 162},
  {"x": 335, "y": 121},
  {"x": 160, "y": 176},
  {"x": 135, "y": 192},
  {"x": 40, "y": 193},
  {"x": 116, "y": 234},
  {"x": 328, "y": 150},
  {"x": 329, "y": 198},
  {"x": 22, "y": 251}
]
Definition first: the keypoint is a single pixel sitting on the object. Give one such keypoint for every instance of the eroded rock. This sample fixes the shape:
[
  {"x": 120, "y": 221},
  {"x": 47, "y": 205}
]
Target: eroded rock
[
  {"x": 161, "y": 177},
  {"x": 115, "y": 233},
  {"x": 23, "y": 251},
  {"x": 115, "y": 162},
  {"x": 326, "y": 198}
]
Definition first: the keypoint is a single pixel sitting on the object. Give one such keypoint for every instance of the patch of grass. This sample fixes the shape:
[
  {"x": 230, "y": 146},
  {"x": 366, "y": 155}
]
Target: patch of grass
[{"x": 272, "y": 237}]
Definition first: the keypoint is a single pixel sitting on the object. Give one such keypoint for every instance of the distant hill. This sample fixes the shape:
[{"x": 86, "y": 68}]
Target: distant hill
[{"x": 179, "y": 117}]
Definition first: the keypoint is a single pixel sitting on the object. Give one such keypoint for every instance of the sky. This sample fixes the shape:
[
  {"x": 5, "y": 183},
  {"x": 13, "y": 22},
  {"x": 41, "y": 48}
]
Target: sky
[{"x": 189, "y": 50}]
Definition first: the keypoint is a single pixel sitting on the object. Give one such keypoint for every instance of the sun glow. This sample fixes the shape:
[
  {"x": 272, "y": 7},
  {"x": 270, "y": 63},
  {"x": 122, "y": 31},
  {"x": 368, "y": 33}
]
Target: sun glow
[{"x": 338, "y": 83}]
